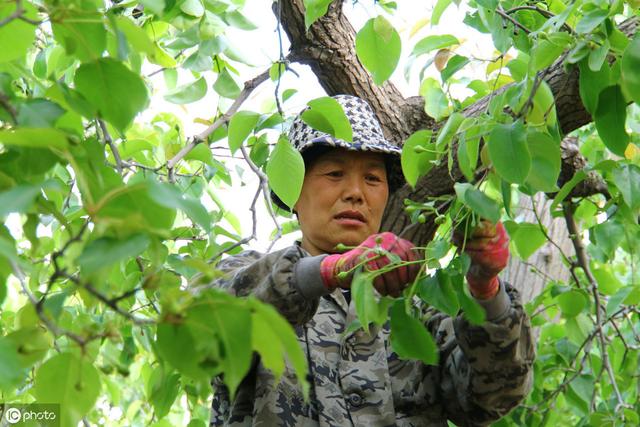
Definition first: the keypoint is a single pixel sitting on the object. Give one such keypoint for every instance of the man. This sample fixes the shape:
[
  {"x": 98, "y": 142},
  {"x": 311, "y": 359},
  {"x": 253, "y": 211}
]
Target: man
[{"x": 356, "y": 378}]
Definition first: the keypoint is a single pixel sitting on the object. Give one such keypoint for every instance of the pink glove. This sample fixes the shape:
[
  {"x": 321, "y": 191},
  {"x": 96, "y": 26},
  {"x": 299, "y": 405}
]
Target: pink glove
[
  {"x": 390, "y": 283},
  {"x": 488, "y": 248}
]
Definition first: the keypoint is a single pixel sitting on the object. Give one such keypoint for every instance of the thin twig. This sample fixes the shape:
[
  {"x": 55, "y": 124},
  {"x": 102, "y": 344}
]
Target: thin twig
[
  {"x": 547, "y": 14},
  {"x": 111, "y": 144},
  {"x": 264, "y": 185},
  {"x": 249, "y": 87},
  {"x": 18, "y": 14},
  {"x": 55, "y": 329},
  {"x": 583, "y": 262},
  {"x": 509, "y": 18}
]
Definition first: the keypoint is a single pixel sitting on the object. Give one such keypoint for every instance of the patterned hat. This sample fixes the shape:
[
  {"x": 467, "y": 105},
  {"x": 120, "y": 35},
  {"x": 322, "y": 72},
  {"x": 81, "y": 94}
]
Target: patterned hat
[
  {"x": 367, "y": 133},
  {"x": 367, "y": 136}
]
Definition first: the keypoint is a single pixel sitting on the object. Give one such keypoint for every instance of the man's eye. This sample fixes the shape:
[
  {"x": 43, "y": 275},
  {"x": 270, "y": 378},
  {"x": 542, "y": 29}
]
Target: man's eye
[
  {"x": 335, "y": 174},
  {"x": 374, "y": 178}
]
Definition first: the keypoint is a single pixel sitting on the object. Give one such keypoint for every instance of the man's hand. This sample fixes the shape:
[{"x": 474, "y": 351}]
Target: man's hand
[
  {"x": 488, "y": 248},
  {"x": 337, "y": 269}
]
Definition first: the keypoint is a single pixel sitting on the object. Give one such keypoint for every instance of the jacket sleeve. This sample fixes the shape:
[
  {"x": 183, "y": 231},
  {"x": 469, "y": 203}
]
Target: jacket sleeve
[
  {"x": 485, "y": 370},
  {"x": 288, "y": 279}
]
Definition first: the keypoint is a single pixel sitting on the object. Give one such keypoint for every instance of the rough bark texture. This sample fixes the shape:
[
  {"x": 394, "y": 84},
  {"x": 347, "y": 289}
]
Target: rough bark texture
[{"x": 328, "y": 47}]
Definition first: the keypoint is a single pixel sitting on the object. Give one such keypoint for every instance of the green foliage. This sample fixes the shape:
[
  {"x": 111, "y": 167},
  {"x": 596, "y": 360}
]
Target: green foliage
[
  {"x": 326, "y": 115},
  {"x": 378, "y": 48},
  {"x": 285, "y": 170},
  {"x": 418, "y": 156}
]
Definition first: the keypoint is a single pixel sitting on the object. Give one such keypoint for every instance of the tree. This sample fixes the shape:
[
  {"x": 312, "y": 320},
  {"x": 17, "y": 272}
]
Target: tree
[{"x": 107, "y": 252}]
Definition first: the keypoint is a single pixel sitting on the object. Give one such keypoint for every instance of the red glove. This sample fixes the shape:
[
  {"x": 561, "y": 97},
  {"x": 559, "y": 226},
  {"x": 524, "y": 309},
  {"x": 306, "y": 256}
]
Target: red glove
[
  {"x": 390, "y": 283},
  {"x": 488, "y": 247}
]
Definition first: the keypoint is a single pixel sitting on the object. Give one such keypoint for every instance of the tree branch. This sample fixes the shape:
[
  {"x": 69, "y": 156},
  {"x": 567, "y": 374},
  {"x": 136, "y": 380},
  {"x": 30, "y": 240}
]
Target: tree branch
[
  {"x": 583, "y": 262},
  {"x": 249, "y": 87}
]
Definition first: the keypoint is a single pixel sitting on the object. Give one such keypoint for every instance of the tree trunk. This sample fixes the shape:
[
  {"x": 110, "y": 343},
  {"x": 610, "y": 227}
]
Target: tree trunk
[{"x": 546, "y": 264}]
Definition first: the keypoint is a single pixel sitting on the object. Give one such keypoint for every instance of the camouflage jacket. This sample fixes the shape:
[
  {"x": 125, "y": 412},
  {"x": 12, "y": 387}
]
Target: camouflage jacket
[{"x": 356, "y": 379}]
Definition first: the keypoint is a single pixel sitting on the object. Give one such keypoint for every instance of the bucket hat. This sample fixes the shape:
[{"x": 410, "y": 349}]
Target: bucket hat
[
  {"x": 367, "y": 136},
  {"x": 367, "y": 132}
]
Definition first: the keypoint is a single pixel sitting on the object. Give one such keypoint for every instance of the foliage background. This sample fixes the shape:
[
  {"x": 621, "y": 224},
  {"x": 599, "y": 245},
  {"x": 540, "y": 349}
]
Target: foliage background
[{"x": 114, "y": 223}]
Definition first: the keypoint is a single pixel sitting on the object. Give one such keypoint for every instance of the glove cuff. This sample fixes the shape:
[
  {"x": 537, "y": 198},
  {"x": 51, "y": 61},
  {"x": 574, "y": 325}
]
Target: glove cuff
[
  {"x": 483, "y": 288},
  {"x": 328, "y": 271}
]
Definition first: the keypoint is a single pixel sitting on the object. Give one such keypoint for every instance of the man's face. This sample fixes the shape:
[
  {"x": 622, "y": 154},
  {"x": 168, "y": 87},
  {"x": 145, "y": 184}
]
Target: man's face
[{"x": 342, "y": 200}]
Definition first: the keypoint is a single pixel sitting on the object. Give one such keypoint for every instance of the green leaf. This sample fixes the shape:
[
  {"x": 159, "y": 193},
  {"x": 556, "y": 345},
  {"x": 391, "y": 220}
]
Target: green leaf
[
  {"x": 11, "y": 371},
  {"x": 472, "y": 310},
  {"x": 431, "y": 43},
  {"x": 201, "y": 152},
  {"x": 438, "y": 10},
  {"x": 418, "y": 156},
  {"x": 327, "y": 115},
  {"x": 455, "y": 64},
  {"x": 285, "y": 170},
  {"x": 607, "y": 281},
  {"x": 35, "y": 138},
  {"x": 448, "y": 131},
  {"x": 16, "y": 36},
  {"x": 591, "y": 84},
  {"x": 409, "y": 337},
  {"x": 164, "y": 388},
  {"x": 105, "y": 251},
  {"x": 230, "y": 323},
  {"x": 266, "y": 341},
  {"x": 313, "y": 10},
  {"x": 436, "y": 104},
  {"x": 378, "y": 48},
  {"x": 18, "y": 199},
  {"x": 598, "y": 56},
  {"x": 238, "y": 20},
  {"x": 364, "y": 298},
  {"x": 288, "y": 339},
  {"x": 545, "y": 161},
  {"x": 509, "y": 152},
  {"x": 39, "y": 113},
  {"x": 192, "y": 7},
  {"x": 155, "y": 6},
  {"x": 627, "y": 179},
  {"x": 69, "y": 381},
  {"x": 591, "y": 20},
  {"x": 438, "y": 291},
  {"x": 477, "y": 201},
  {"x": 543, "y": 109},
  {"x": 136, "y": 36},
  {"x": 188, "y": 93},
  {"x": 630, "y": 67},
  {"x": 117, "y": 93},
  {"x": 170, "y": 196},
  {"x": 571, "y": 303},
  {"x": 577, "y": 178},
  {"x": 608, "y": 236},
  {"x": 526, "y": 237},
  {"x": 241, "y": 125},
  {"x": 226, "y": 86},
  {"x": 171, "y": 340},
  {"x": 547, "y": 50},
  {"x": 82, "y": 33},
  {"x": 610, "y": 118}
]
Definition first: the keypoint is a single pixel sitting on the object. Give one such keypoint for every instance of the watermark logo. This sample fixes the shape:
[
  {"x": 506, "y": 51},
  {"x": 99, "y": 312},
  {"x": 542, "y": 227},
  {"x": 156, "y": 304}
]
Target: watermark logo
[{"x": 34, "y": 414}]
